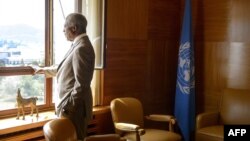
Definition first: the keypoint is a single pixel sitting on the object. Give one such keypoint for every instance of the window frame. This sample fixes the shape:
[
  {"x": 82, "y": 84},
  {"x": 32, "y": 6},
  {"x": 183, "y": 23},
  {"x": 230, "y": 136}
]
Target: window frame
[
  {"x": 26, "y": 70},
  {"x": 48, "y": 86}
]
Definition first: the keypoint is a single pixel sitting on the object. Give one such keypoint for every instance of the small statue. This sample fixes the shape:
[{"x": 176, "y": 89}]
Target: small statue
[{"x": 22, "y": 102}]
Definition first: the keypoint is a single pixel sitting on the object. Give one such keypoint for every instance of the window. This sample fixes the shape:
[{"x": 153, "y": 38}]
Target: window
[
  {"x": 22, "y": 43},
  {"x": 33, "y": 35},
  {"x": 94, "y": 12}
]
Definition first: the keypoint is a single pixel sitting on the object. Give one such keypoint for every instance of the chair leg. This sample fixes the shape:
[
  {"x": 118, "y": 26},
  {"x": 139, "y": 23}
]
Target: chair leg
[{"x": 138, "y": 138}]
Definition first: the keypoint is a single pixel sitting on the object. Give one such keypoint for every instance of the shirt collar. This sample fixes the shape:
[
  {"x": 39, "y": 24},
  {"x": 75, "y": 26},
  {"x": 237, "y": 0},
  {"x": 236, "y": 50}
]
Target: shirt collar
[{"x": 79, "y": 37}]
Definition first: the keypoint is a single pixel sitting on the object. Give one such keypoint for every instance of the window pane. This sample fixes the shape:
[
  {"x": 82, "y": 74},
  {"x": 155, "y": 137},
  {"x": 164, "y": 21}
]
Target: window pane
[
  {"x": 22, "y": 29},
  {"x": 29, "y": 85},
  {"x": 60, "y": 44}
]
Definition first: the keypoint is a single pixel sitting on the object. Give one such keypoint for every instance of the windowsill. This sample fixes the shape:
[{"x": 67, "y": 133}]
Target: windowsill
[{"x": 10, "y": 125}]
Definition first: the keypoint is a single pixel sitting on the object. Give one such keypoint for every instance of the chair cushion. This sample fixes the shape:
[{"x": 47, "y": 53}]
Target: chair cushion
[
  {"x": 155, "y": 135},
  {"x": 211, "y": 133}
]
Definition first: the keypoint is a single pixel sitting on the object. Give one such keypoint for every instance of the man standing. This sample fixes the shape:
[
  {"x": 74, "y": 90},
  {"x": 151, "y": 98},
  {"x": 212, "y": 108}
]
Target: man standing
[{"x": 74, "y": 75}]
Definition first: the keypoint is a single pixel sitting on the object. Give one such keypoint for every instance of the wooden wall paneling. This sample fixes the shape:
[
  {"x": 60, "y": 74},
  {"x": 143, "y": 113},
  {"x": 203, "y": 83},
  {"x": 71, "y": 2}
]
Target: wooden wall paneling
[
  {"x": 215, "y": 59},
  {"x": 238, "y": 75},
  {"x": 211, "y": 62},
  {"x": 151, "y": 47},
  {"x": 240, "y": 21},
  {"x": 214, "y": 71},
  {"x": 198, "y": 38},
  {"x": 211, "y": 28},
  {"x": 126, "y": 70},
  {"x": 212, "y": 100},
  {"x": 157, "y": 97},
  {"x": 163, "y": 77},
  {"x": 163, "y": 35},
  {"x": 127, "y": 19},
  {"x": 125, "y": 73},
  {"x": 238, "y": 66},
  {"x": 103, "y": 125},
  {"x": 164, "y": 20},
  {"x": 211, "y": 19},
  {"x": 222, "y": 48}
]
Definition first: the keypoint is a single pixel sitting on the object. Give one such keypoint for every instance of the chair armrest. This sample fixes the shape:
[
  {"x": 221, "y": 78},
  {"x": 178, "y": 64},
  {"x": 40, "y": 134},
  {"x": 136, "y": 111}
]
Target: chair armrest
[
  {"x": 163, "y": 118},
  {"x": 127, "y": 127},
  {"x": 207, "y": 119}
]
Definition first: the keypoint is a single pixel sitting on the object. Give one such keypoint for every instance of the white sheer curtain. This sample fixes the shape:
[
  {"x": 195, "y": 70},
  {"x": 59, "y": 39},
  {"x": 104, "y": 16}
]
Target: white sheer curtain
[{"x": 93, "y": 10}]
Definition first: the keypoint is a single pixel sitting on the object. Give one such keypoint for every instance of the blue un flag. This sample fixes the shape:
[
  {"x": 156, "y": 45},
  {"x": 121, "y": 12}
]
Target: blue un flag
[{"x": 185, "y": 85}]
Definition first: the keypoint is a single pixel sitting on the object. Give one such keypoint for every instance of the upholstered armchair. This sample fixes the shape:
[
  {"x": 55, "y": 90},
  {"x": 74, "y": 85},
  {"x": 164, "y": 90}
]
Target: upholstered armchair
[
  {"x": 60, "y": 129},
  {"x": 128, "y": 119},
  {"x": 234, "y": 109}
]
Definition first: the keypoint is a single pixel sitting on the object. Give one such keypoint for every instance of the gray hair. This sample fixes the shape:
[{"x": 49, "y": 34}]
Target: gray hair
[{"x": 78, "y": 20}]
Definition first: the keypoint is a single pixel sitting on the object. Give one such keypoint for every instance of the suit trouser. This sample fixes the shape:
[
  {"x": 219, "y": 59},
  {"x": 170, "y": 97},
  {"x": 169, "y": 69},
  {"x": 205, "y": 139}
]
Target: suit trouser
[
  {"x": 81, "y": 129},
  {"x": 78, "y": 119},
  {"x": 80, "y": 126}
]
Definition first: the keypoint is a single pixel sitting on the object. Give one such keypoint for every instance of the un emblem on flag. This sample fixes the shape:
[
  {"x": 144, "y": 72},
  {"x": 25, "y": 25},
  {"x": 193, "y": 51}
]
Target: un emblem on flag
[{"x": 185, "y": 76}]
